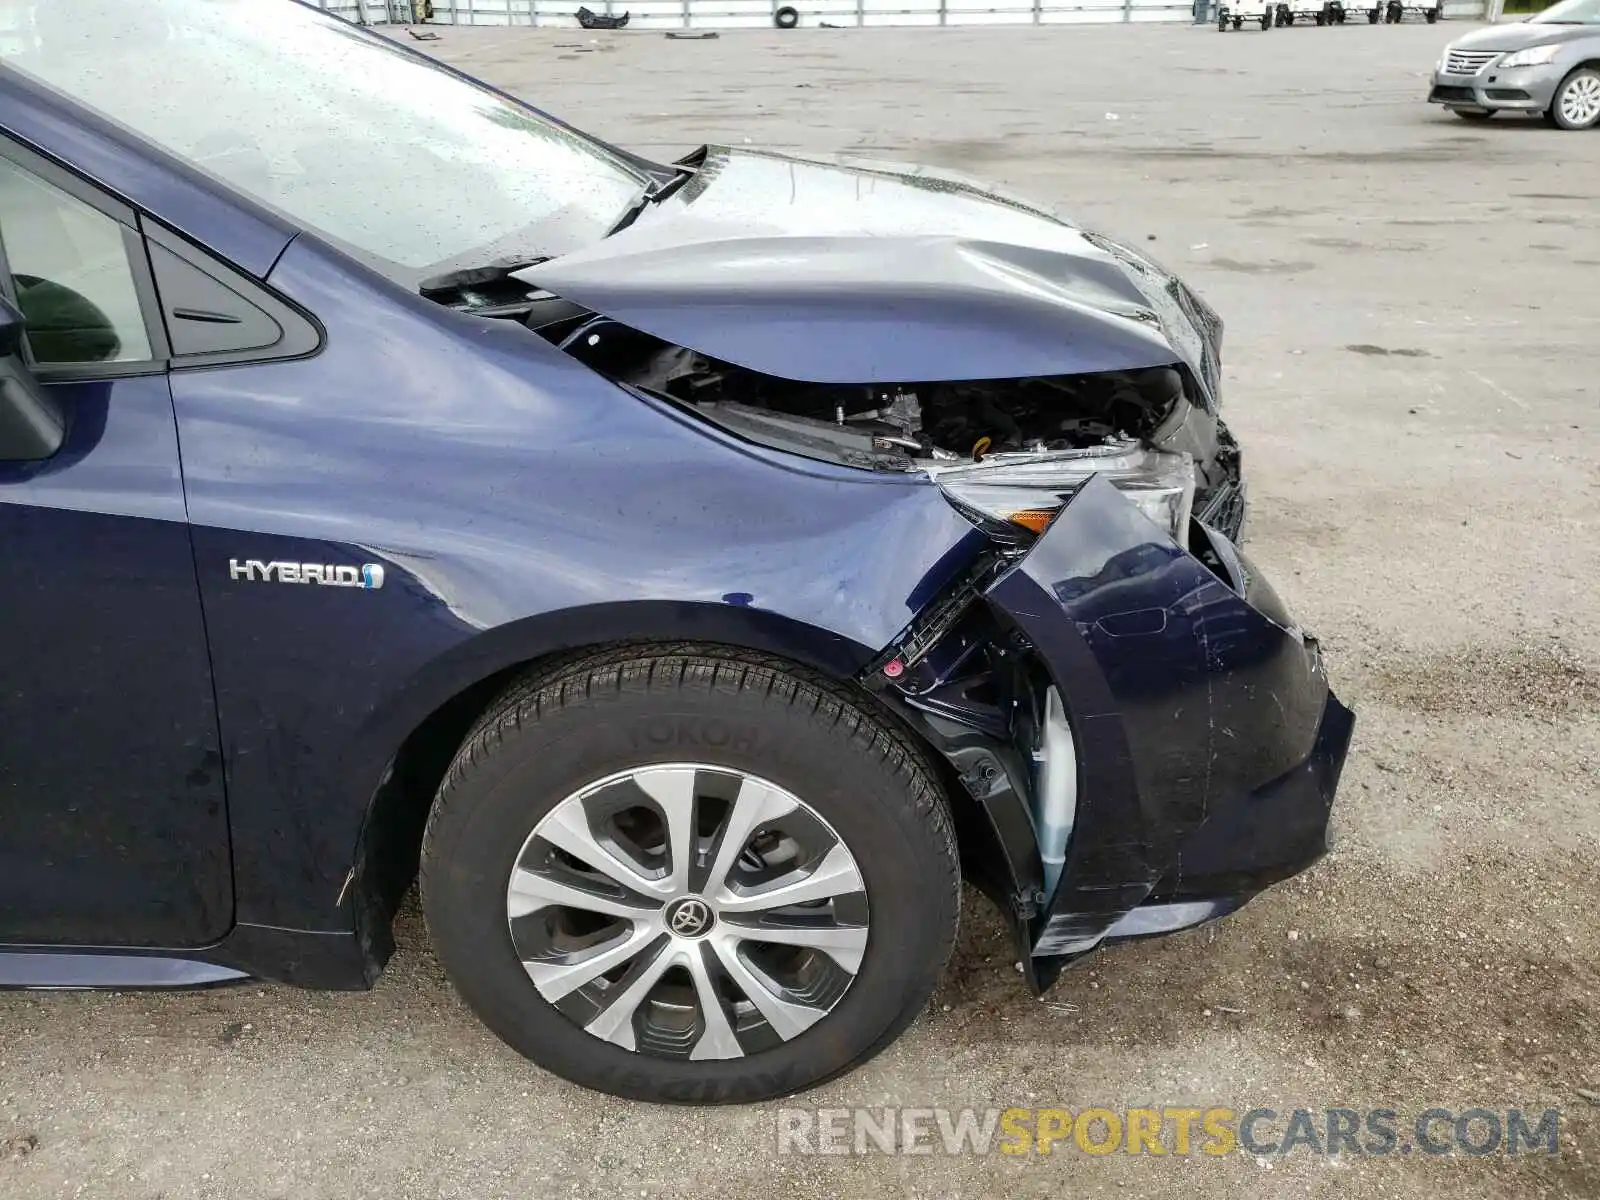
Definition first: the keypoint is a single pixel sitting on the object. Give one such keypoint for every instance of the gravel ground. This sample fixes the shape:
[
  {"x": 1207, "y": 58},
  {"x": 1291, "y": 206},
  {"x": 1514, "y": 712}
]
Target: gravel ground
[{"x": 1413, "y": 364}]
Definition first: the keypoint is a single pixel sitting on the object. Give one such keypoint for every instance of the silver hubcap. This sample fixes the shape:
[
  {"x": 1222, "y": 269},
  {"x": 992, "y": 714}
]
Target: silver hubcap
[
  {"x": 1580, "y": 102},
  {"x": 687, "y": 911}
]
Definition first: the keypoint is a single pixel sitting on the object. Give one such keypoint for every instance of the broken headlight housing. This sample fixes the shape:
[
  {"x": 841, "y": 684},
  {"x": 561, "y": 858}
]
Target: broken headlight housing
[{"x": 1025, "y": 491}]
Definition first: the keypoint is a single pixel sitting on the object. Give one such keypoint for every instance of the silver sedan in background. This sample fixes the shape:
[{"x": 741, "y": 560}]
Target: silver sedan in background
[{"x": 1549, "y": 64}]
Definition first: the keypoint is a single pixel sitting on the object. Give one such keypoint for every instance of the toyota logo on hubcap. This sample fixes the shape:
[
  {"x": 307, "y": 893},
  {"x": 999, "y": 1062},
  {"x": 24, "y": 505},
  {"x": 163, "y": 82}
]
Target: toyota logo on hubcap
[{"x": 690, "y": 917}]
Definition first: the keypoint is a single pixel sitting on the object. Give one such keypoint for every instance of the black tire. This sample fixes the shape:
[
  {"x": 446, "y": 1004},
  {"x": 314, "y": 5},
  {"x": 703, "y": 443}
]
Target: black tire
[
  {"x": 1266, "y": 21},
  {"x": 571, "y": 724},
  {"x": 1473, "y": 114},
  {"x": 1238, "y": 23},
  {"x": 1582, "y": 77},
  {"x": 786, "y": 17},
  {"x": 1372, "y": 16},
  {"x": 1432, "y": 16}
]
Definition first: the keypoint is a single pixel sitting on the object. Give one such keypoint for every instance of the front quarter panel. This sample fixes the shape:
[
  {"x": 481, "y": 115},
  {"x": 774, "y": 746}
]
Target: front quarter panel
[{"x": 518, "y": 505}]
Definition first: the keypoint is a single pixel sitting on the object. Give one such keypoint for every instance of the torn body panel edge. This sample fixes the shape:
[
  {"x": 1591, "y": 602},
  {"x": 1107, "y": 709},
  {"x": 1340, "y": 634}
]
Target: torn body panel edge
[{"x": 1208, "y": 744}]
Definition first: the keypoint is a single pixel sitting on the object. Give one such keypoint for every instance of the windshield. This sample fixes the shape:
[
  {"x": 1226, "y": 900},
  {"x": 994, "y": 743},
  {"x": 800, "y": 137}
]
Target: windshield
[
  {"x": 1569, "y": 12},
  {"x": 414, "y": 169}
]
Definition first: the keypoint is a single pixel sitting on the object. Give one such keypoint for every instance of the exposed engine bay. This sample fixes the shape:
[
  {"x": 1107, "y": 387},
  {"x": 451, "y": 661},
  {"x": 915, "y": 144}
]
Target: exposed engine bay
[
  {"x": 1139, "y": 423},
  {"x": 893, "y": 428},
  {"x": 985, "y": 440}
]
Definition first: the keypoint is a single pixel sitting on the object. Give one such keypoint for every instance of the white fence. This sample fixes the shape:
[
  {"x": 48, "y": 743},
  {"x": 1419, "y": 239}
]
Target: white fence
[
  {"x": 743, "y": 14},
  {"x": 374, "y": 12},
  {"x": 747, "y": 14}
]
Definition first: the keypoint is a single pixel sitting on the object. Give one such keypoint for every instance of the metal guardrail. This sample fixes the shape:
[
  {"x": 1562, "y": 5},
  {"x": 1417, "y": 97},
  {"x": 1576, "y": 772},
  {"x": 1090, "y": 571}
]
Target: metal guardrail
[
  {"x": 707, "y": 14},
  {"x": 711, "y": 14}
]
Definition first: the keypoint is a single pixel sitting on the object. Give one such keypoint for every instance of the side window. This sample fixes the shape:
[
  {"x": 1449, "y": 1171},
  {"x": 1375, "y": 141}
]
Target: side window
[{"x": 70, "y": 270}]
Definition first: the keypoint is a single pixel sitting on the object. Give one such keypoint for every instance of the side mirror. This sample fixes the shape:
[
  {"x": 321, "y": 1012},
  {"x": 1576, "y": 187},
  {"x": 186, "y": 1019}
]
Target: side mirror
[{"x": 32, "y": 425}]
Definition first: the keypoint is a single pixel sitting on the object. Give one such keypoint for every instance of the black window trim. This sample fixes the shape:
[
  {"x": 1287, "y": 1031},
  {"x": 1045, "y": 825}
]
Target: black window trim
[{"x": 303, "y": 335}]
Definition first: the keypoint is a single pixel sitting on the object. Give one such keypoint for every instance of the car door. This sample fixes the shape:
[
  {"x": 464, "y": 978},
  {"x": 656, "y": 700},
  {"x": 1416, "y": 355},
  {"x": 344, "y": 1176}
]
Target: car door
[{"x": 113, "y": 826}]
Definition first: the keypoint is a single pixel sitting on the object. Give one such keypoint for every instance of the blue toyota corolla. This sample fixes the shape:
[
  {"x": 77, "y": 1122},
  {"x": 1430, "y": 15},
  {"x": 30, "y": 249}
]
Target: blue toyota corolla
[{"x": 686, "y": 573}]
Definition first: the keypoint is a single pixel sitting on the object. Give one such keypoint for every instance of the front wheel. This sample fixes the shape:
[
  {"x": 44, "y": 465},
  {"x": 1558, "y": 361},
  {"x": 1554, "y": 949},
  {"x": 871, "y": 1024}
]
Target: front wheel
[
  {"x": 690, "y": 875},
  {"x": 1576, "y": 103}
]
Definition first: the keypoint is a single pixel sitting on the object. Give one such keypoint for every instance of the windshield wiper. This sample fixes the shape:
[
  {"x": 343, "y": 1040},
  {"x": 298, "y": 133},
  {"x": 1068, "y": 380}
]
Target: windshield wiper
[
  {"x": 463, "y": 280},
  {"x": 653, "y": 192},
  {"x": 485, "y": 291}
]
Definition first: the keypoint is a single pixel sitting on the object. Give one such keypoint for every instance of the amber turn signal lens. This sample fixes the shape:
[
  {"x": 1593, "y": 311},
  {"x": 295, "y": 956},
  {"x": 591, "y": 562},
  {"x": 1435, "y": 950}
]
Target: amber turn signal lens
[{"x": 1035, "y": 519}]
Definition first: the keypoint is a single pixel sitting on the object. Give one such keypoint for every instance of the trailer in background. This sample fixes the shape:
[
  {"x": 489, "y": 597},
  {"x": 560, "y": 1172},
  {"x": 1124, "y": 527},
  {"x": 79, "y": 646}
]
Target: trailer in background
[
  {"x": 1395, "y": 11},
  {"x": 1234, "y": 14},
  {"x": 1323, "y": 12}
]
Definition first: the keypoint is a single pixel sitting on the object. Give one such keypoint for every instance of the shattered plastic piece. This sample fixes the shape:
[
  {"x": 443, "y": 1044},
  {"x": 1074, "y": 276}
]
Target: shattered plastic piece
[
  {"x": 704, "y": 36},
  {"x": 593, "y": 20}
]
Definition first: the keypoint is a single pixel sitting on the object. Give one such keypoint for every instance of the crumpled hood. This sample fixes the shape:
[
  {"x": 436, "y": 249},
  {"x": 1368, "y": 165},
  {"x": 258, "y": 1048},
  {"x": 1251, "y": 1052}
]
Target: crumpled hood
[
  {"x": 841, "y": 271},
  {"x": 1516, "y": 37}
]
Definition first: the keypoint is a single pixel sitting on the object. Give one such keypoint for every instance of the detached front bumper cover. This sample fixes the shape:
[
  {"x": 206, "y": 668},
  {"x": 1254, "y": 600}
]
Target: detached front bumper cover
[{"x": 1208, "y": 743}]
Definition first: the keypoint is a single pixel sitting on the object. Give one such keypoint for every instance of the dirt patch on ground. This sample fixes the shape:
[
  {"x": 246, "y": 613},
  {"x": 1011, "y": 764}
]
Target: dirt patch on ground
[
  {"x": 1385, "y": 351},
  {"x": 1546, "y": 680}
]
